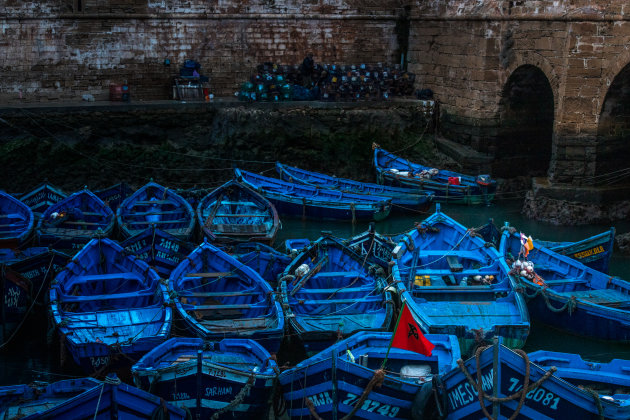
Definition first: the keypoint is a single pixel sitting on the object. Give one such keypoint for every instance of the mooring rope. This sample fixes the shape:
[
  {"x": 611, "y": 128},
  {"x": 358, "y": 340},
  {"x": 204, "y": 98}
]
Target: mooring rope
[
  {"x": 522, "y": 394},
  {"x": 376, "y": 381}
]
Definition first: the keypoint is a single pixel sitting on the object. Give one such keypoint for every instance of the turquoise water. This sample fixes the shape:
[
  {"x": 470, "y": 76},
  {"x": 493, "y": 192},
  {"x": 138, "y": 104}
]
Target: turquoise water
[{"x": 30, "y": 357}]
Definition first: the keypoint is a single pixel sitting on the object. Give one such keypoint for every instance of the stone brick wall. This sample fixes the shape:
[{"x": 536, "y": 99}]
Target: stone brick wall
[
  {"x": 51, "y": 51},
  {"x": 465, "y": 51}
]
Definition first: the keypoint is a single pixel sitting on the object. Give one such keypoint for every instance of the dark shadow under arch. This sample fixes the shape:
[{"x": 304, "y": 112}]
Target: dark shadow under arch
[
  {"x": 525, "y": 134},
  {"x": 613, "y": 133}
]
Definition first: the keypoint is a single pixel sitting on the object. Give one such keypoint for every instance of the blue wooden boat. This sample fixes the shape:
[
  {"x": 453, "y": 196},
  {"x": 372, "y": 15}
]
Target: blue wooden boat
[
  {"x": 16, "y": 221},
  {"x": 403, "y": 199},
  {"x": 370, "y": 244},
  {"x": 329, "y": 292},
  {"x": 293, "y": 246},
  {"x": 25, "y": 277},
  {"x": 109, "y": 399},
  {"x": 550, "y": 393},
  {"x": 37, "y": 398},
  {"x": 454, "y": 284},
  {"x": 231, "y": 378},
  {"x": 114, "y": 195},
  {"x": 72, "y": 222},
  {"x": 161, "y": 250},
  {"x": 236, "y": 213},
  {"x": 263, "y": 259},
  {"x": 14, "y": 306},
  {"x": 606, "y": 379},
  {"x": 333, "y": 381},
  {"x": 218, "y": 297},
  {"x": 156, "y": 205},
  {"x": 594, "y": 251},
  {"x": 306, "y": 201},
  {"x": 448, "y": 186},
  {"x": 566, "y": 294},
  {"x": 42, "y": 197},
  {"x": 109, "y": 307}
]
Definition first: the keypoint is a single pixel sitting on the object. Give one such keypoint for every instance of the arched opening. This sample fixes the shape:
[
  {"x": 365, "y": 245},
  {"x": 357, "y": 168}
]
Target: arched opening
[
  {"x": 613, "y": 133},
  {"x": 526, "y": 125}
]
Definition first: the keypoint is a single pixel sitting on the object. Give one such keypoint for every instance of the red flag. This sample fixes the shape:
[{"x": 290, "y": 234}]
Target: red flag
[{"x": 408, "y": 335}]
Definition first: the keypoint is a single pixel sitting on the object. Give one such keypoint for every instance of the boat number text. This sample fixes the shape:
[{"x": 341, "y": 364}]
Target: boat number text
[
  {"x": 12, "y": 297},
  {"x": 350, "y": 399},
  {"x": 99, "y": 361},
  {"x": 540, "y": 395}
]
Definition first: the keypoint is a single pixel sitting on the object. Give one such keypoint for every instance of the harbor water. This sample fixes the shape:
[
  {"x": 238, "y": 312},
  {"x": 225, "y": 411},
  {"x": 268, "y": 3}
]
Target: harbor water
[{"x": 34, "y": 354}]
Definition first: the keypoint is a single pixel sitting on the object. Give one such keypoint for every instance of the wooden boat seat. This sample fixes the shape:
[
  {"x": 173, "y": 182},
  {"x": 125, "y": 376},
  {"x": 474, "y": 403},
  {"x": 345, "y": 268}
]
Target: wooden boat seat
[
  {"x": 116, "y": 296},
  {"x": 148, "y": 202},
  {"x": 209, "y": 275},
  {"x": 157, "y": 213},
  {"x": 454, "y": 264},
  {"x": 147, "y": 222},
  {"x": 338, "y": 274},
  {"x": 76, "y": 223},
  {"x": 240, "y": 215},
  {"x": 219, "y": 307},
  {"x": 239, "y": 228},
  {"x": 12, "y": 216},
  {"x": 366, "y": 289},
  {"x": 222, "y": 294},
  {"x": 101, "y": 277}
]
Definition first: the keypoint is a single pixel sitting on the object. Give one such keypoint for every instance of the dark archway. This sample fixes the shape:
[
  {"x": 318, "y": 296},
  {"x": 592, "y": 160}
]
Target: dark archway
[
  {"x": 613, "y": 133},
  {"x": 526, "y": 125}
]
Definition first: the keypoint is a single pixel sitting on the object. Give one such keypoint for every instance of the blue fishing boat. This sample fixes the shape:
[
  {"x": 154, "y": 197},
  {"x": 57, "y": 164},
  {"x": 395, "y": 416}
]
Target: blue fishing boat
[
  {"x": 232, "y": 377},
  {"x": 26, "y": 283},
  {"x": 155, "y": 205},
  {"x": 567, "y": 294},
  {"x": 305, "y": 201},
  {"x": 370, "y": 244},
  {"x": 454, "y": 284},
  {"x": 37, "y": 398},
  {"x": 448, "y": 186},
  {"x": 293, "y": 246},
  {"x": 403, "y": 199},
  {"x": 72, "y": 222},
  {"x": 14, "y": 306},
  {"x": 217, "y": 297},
  {"x": 109, "y": 307},
  {"x": 514, "y": 386},
  {"x": 594, "y": 251},
  {"x": 347, "y": 380},
  {"x": 161, "y": 250},
  {"x": 236, "y": 213},
  {"x": 42, "y": 197},
  {"x": 87, "y": 399},
  {"x": 329, "y": 292},
  {"x": 16, "y": 221},
  {"x": 114, "y": 195},
  {"x": 606, "y": 379},
  {"x": 263, "y": 259}
]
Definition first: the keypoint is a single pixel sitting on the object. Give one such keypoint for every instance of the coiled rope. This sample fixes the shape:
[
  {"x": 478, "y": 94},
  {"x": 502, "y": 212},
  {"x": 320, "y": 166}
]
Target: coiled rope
[{"x": 522, "y": 394}]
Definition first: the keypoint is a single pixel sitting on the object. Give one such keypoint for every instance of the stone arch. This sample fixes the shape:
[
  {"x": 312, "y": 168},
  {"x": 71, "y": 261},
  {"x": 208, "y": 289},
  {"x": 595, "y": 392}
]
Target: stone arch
[
  {"x": 527, "y": 111},
  {"x": 613, "y": 125}
]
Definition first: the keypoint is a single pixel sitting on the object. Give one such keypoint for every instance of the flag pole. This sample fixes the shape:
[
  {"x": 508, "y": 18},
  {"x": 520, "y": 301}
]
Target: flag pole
[{"x": 393, "y": 334}]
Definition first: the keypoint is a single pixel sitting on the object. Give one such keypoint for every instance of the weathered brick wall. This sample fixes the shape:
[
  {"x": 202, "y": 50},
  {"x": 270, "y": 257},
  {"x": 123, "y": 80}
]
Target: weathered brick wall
[
  {"x": 465, "y": 51},
  {"x": 50, "y": 51}
]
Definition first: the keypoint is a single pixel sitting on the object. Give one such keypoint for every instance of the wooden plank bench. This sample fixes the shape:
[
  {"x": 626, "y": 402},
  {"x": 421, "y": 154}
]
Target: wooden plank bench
[
  {"x": 209, "y": 275},
  {"x": 453, "y": 264}
]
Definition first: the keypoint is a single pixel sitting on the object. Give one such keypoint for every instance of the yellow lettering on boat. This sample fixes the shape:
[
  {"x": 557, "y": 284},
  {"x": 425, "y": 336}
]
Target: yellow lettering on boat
[{"x": 589, "y": 252}]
